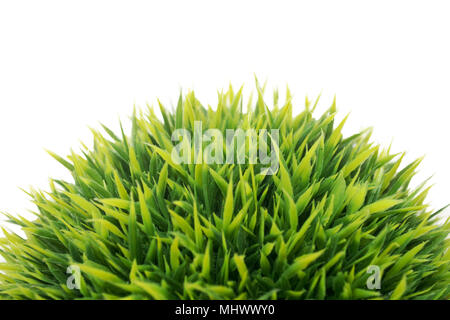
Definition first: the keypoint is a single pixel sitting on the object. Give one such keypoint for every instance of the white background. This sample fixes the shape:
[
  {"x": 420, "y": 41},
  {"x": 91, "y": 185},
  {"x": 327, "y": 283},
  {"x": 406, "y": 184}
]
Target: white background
[{"x": 67, "y": 65}]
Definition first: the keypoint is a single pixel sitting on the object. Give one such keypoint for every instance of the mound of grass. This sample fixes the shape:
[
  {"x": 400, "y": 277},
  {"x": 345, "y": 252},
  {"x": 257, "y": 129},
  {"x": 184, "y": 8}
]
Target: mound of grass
[{"x": 137, "y": 225}]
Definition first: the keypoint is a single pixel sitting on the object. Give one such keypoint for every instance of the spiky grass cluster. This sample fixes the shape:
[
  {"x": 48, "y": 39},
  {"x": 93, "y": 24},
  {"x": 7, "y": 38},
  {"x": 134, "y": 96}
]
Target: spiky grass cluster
[{"x": 140, "y": 226}]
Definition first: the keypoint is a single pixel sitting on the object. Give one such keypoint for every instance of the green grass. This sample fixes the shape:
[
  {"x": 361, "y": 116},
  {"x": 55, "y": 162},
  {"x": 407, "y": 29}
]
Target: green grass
[{"x": 140, "y": 226}]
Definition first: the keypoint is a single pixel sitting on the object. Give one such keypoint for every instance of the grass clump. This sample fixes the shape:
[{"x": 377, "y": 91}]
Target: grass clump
[{"x": 139, "y": 226}]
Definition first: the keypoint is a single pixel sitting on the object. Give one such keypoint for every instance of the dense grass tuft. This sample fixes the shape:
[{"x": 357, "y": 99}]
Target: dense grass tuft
[{"x": 140, "y": 226}]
